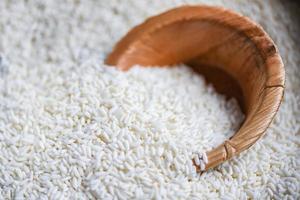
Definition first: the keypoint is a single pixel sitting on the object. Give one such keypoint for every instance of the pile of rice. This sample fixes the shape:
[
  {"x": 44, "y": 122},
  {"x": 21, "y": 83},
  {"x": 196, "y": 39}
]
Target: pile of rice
[{"x": 73, "y": 128}]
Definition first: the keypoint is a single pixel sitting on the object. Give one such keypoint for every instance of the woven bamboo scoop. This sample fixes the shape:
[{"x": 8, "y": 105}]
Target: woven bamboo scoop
[{"x": 231, "y": 51}]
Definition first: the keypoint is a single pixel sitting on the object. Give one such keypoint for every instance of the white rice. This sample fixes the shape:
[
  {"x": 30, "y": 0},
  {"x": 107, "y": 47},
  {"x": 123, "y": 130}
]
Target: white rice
[
  {"x": 73, "y": 128},
  {"x": 90, "y": 130}
]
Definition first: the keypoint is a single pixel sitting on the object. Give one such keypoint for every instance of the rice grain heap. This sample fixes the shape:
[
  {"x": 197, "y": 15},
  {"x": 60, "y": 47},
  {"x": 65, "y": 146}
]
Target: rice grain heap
[{"x": 93, "y": 131}]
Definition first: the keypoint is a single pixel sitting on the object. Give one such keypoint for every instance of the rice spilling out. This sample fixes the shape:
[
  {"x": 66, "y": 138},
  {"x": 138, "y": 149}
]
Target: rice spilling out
[
  {"x": 97, "y": 131},
  {"x": 73, "y": 128}
]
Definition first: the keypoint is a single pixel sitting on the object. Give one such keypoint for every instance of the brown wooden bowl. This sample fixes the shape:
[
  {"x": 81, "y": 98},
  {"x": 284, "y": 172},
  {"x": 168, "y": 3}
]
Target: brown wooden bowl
[{"x": 230, "y": 50}]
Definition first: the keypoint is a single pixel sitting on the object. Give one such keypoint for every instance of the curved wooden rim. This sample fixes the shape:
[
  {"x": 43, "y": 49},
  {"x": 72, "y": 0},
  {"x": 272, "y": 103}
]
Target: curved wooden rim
[{"x": 255, "y": 124}]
